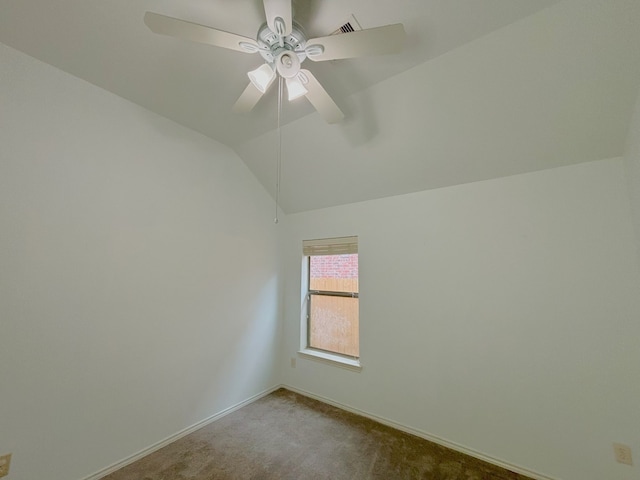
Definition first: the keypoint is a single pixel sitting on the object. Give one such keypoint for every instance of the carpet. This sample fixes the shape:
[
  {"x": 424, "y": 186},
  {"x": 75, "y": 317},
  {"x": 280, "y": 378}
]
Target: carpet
[{"x": 289, "y": 436}]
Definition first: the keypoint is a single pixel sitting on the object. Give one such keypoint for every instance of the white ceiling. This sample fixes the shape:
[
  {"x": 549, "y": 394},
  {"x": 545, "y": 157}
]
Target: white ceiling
[{"x": 485, "y": 88}]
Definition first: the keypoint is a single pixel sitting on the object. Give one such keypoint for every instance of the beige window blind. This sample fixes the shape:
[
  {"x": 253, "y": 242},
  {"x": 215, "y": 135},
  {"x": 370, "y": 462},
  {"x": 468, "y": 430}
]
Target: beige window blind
[{"x": 330, "y": 246}]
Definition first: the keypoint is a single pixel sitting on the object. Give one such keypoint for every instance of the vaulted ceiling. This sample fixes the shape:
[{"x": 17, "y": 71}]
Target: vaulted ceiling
[{"x": 484, "y": 88}]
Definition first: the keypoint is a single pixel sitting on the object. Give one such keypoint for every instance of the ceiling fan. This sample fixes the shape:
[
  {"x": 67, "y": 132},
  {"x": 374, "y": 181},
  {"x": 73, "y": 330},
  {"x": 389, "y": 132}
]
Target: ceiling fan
[{"x": 284, "y": 46}]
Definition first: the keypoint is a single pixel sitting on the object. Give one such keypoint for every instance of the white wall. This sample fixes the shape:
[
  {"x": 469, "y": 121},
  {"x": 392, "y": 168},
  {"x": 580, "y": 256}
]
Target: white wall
[
  {"x": 632, "y": 164},
  {"x": 138, "y": 276},
  {"x": 500, "y": 315}
]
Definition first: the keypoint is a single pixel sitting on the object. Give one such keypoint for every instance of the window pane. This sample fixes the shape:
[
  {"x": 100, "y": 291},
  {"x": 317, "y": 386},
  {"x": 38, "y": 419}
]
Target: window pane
[
  {"x": 334, "y": 324},
  {"x": 334, "y": 273}
]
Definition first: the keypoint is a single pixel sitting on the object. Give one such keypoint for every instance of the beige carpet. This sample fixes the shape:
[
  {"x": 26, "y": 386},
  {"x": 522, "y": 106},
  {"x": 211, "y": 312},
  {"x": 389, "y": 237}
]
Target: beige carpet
[{"x": 288, "y": 436}]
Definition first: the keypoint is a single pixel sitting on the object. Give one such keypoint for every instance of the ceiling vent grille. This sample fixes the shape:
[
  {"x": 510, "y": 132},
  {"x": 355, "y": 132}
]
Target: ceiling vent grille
[{"x": 351, "y": 25}]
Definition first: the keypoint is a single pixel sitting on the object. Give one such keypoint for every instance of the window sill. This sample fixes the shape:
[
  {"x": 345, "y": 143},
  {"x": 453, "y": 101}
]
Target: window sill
[{"x": 332, "y": 359}]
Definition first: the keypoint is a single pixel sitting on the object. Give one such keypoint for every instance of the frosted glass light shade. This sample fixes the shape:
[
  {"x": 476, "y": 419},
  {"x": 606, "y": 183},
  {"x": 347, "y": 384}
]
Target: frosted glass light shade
[
  {"x": 262, "y": 77},
  {"x": 295, "y": 88}
]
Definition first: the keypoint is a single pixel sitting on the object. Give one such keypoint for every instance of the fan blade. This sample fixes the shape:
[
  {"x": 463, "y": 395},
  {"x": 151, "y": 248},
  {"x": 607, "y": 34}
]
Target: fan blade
[
  {"x": 372, "y": 41},
  {"x": 320, "y": 99},
  {"x": 198, "y": 33},
  {"x": 274, "y": 9},
  {"x": 248, "y": 99}
]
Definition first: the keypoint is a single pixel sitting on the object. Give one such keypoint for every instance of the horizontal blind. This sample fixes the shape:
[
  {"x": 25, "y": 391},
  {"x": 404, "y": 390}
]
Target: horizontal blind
[{"x": 330, "y": 246}]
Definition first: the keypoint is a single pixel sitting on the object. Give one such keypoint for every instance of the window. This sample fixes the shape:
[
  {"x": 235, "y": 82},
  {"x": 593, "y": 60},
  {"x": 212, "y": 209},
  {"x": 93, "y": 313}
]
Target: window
[{"x": 332, "y": 303}]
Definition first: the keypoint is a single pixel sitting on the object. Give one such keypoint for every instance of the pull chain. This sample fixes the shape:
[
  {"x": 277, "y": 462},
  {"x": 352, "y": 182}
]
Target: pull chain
[{"x": 279, "y": 156}]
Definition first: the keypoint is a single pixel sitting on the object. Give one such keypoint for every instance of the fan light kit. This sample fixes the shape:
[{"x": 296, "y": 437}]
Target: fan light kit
[
  {"x": 295, "y": 86},
  {"x": 282, "y": 44},
  {"x": 262, "y": 77}
]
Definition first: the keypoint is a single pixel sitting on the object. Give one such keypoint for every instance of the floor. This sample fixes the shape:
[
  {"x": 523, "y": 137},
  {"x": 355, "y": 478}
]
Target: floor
[{"x": 289, "y": 436}]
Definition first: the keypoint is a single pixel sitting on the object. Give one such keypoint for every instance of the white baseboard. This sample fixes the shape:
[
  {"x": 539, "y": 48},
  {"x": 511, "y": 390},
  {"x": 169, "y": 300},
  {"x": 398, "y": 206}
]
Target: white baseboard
[
  {"x": 426, "y": 436},
  {"x": 419, "y": 433},
  {"x": 172, "y": 438}
]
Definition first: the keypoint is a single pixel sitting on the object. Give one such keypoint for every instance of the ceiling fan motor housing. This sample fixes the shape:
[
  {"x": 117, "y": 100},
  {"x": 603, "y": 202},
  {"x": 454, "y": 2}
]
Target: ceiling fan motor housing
[{"x": 272, "y": 47}]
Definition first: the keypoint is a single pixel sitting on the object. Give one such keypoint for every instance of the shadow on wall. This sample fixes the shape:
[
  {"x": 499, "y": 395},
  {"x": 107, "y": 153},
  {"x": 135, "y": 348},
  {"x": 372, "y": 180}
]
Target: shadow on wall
[{"x": 360, "y": 125}]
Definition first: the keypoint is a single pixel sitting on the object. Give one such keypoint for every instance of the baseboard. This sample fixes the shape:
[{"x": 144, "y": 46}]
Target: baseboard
[
  {"x": 385, "y": 421},
  {"x": 172, "y": 438},
  {"x": 427, "y": 436}
]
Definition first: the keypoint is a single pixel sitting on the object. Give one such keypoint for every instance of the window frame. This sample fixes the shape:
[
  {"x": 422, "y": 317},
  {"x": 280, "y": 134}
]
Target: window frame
[
  {"x": 328, "y": 293},
  {"x": 338, "y": 359}
]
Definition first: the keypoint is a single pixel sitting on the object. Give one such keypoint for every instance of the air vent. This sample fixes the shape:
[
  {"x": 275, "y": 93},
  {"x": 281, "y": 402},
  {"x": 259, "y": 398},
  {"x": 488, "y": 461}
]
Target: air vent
[
  {"x": 351, "y": 25},
  {"x": 346, "y": 28}
]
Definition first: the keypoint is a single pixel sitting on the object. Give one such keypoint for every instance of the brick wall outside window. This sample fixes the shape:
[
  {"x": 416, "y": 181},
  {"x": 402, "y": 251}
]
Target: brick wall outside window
[{"x": 334, "y": 266}]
